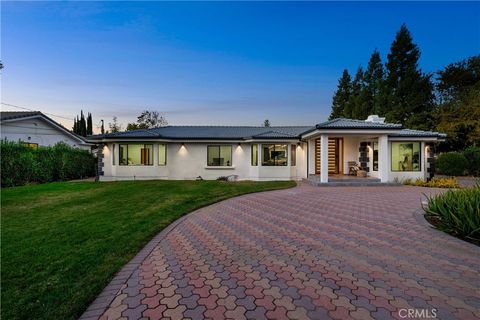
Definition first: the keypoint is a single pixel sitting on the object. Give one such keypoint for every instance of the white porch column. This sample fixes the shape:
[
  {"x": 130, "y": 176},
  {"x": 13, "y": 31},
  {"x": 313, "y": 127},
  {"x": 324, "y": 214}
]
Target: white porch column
[
  {"x": 383, "y": 164},
  {"x": 311, "y": 157},
  {"x": 324, "y": 158}
]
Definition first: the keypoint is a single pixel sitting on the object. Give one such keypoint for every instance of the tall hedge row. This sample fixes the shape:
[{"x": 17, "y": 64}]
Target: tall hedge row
[
  {"x": 460, "y": 163},
  {"x": 21, "y": 164}
]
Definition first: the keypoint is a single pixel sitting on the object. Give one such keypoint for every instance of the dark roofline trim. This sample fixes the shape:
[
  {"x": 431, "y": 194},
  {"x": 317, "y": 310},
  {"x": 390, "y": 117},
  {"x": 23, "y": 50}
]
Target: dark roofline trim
[{"x": 194, "y": 138}]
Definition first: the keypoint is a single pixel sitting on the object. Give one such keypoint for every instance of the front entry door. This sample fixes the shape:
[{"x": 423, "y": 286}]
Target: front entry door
[{"x": 335, "y": 156}]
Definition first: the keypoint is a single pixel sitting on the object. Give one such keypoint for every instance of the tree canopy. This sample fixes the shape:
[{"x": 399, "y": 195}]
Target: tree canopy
[
  {"x": 402, "y": 93},
  {"x": 148, "y": 119}
]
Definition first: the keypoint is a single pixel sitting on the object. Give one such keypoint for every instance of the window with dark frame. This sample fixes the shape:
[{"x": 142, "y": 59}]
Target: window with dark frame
[
  {"x": 113, "y": 154},
  {"x": 254, "y": 157},
  {"x": 293, "y": 155},
  {"x": 406, "y": 156},
  {"x": 274, "y": 154},
  {"x": 219, "y": 156},
  {"x": 162, "y": 154},
  {"x": 135, "y": 154},
  {"x": 375, "y": 156}
]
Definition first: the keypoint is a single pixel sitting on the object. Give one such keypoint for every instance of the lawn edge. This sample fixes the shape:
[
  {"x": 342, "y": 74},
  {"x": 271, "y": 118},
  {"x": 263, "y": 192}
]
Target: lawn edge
[{"x": 108, "y": 294}]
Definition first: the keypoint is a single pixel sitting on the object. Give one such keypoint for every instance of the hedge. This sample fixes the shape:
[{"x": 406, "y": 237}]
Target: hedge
[
  {"x": 22, "y": 164},
  {"x": 472, "y": 154},
  {"x": 452, "y": 164}
]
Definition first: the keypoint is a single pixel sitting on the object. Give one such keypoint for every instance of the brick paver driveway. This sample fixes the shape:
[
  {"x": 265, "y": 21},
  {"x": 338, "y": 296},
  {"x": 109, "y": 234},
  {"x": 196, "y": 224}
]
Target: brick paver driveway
[{"x": 302, "y": 253}]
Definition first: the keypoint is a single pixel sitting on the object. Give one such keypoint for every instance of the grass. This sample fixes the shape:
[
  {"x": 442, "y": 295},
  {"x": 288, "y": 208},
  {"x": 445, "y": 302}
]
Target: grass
[
  {"x": 63, "y": 242},
  {"x": 456, "y": 212}
]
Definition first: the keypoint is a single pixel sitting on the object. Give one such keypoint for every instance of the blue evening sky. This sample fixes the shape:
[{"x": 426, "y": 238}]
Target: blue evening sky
[{"x": 211, "y": 63}]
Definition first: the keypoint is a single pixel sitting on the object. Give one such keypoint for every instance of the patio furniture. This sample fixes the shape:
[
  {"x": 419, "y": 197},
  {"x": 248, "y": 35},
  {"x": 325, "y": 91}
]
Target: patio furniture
[
  {"x": 361, "y": 173},
  {"x": 353, "y": 167}
]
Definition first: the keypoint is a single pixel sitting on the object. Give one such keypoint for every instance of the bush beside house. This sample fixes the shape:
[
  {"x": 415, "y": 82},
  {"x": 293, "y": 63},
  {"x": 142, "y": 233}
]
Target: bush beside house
[
  {"x": 22, "y": 164},
  {"x": 472, "y": 154},
  {"x": 452, "y": 164}
]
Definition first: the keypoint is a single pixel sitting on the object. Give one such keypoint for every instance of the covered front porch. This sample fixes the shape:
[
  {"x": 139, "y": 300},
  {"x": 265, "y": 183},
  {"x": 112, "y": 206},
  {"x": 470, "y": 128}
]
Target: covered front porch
[{"x": 335, "y": 158}]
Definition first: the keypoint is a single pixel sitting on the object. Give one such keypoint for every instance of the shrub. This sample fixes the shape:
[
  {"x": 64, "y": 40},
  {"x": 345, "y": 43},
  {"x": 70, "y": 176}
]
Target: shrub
[
  {"x": 452, "y": 164},
  {"x": 21, "y": 164},
  {"x": 456, "y": 212},
  {"x": 434, "y": 183},
  {"x": 473, "y": 160}
]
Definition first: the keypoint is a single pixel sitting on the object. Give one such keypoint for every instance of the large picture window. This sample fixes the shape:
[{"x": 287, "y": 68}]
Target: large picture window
[
  {"x": 135, "y": 154},
  {"x": 406, "y": 156},
  {"x": 375, "y": 156},
  {"x": 219, "y": 156},
  {"x": 274, "y": 154},
  {"x": 254, "y": 160},
  {"x": 162, "y": 154}
]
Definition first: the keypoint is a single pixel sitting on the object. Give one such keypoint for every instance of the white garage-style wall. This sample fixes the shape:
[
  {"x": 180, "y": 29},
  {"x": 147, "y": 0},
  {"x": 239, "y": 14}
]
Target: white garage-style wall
[{"x": 187, "y": 161}]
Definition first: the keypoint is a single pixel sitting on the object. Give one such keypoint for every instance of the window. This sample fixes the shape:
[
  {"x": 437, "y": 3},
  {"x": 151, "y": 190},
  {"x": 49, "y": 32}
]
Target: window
[
  {"x": 29, "y": 144},
  {"x": 405, "y": 156},
  {"x": 113, "y": 153},
  {"x": 162, "y": 154},
  {"x": 375, "y": 156},
  {"x": 219, "y": 156},
  {"x": 254, "y": 161},
  {"x": 293, "y": 155},
  {"x": 274, "y": 155},
  {"x": 135, "y": 154}
]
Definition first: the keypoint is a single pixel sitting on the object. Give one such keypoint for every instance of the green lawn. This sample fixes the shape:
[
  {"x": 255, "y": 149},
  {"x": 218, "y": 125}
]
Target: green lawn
[{"x": 63, "y": 242}]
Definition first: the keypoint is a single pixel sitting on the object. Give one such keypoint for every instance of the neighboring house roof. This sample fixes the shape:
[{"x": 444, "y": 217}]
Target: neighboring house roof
[
  {"x": 246, "y": 132},
  {"x": 12, "y": 116}
]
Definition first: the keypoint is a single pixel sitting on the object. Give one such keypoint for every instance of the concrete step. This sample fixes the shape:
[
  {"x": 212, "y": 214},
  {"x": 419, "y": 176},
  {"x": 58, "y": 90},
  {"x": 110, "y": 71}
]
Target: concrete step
[{"x": 351, "y": 183}]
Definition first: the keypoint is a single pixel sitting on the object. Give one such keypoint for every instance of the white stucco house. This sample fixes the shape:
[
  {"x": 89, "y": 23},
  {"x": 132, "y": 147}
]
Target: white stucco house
[
  {"x": 324, "y": 152},
  {"x": 35, "y": 129}
]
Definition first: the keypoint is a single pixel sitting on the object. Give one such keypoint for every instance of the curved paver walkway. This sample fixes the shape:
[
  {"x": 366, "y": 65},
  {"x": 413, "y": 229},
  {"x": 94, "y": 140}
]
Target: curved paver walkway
[{"x": 302, "y": 253}]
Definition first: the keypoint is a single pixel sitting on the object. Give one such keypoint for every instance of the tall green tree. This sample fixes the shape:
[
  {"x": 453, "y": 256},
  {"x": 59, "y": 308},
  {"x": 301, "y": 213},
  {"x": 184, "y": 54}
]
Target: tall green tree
[
  {"x": 89, "y": 124},
  {"x": 458, "y": 114},
  {"x": 353, "y": 108},
  {"x": 341, "y": 96},
  {"x": 408, "y": 93},
  {"x": 74, "y": 128},
  {"x": 373, "y": 77},
  {"x": 115, "y": 126}
]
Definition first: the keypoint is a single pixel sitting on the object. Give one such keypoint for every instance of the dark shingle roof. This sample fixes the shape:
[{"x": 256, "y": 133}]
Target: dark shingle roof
[
  {"x": 342, "y": 123},
  {"x": 246, "y": 132},
  {"x": 8, "y": 115},
  {"x": 418, "y": 133},
  {"x": 211, "y": 132}
]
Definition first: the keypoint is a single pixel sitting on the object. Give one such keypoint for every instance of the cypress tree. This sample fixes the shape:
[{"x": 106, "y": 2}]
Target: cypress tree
[
  {"x": 342, "y": 94},
  {"x": 89, "y": 124},
  {"x": 352, "y": 109},
  {"x": 83, "y": 126},
  {"x": 408, "y": 93},
  {"x": 74, "y": 128}
]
